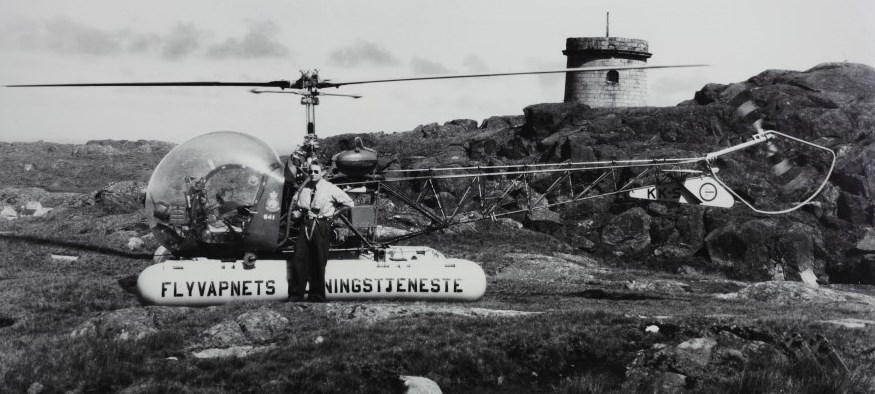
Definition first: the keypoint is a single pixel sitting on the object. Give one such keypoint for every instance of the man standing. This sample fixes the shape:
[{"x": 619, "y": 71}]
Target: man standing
[{"x": 315, "y": 207}]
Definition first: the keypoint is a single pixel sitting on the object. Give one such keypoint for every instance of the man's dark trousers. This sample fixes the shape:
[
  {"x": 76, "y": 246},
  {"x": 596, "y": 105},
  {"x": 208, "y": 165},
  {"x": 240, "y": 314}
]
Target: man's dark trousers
[{"x": 310, "y": 259}]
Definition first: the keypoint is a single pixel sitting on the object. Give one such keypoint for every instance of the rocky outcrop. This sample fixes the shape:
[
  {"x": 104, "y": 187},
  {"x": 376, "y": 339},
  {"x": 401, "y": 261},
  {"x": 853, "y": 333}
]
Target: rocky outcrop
[
  {"x": 793, "y": 292},
  {"x": 832, "y": 104},
  {"x": 528, "y": 266},
  {"x": 122, "y": 325},
  {"x": 78, "y": 168},
  {"x": 256, "y": 327},
  {"x": 250, "y": 333},
  {"x": 696, "y": 362},
  {"x": 35, "y": 199},
  {"x": 122, "y": 196},
  {"x": 375, "y": 313},
  {"x": 628, "y": 232},
  {"x": 757, "y": 248},
  {"x": 658, "y": 286}
]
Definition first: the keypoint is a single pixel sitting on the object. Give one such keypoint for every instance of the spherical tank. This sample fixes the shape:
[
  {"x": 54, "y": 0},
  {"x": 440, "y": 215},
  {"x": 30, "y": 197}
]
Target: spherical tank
[{"x": 356, "y": 162}]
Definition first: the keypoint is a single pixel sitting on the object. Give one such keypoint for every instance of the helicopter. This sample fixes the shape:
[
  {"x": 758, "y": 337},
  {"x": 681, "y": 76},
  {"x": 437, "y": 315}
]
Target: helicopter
[{"x": 219, "y": 205}]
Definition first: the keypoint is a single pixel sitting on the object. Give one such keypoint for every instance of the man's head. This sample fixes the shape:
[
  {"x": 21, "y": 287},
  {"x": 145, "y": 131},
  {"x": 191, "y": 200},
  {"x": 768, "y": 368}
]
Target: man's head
[{"x": 315, "y": 172}]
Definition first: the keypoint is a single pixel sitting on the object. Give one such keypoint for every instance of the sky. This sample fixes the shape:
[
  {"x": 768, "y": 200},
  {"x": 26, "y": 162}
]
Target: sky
[{"x": 91, "y": 41}]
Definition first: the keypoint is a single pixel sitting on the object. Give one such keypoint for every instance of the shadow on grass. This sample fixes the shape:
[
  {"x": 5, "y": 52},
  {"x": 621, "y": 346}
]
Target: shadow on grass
[
  {"x": 6, "y": 321},
  {"x": 600, "y": 294},
  {"x": 75, "y": 245},
  {"x": 129, "y": 284}
]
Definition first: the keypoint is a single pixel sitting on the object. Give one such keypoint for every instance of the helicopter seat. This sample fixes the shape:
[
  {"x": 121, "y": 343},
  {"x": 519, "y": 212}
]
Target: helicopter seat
[{"x": 221, "y": 232}]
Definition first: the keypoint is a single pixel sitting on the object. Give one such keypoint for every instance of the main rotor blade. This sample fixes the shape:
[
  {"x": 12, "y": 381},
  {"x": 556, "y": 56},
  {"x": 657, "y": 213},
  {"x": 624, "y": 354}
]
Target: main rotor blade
[
  {"x": 272, "y": 84},
  {"x": 298, "y": 92},
  {"x": 498, "y": 74},
  {"x": 326, "y": 84},
  {"x": 355, "y": 96}
]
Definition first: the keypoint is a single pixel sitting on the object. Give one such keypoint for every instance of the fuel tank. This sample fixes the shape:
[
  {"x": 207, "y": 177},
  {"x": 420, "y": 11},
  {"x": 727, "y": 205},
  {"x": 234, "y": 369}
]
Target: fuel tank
[
  {"x": 408, "y": 273},
  {"x": 356, "y": 162}
]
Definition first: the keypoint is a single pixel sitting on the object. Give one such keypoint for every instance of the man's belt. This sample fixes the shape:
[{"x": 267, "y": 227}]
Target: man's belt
[{"x": 319, "y": 218}]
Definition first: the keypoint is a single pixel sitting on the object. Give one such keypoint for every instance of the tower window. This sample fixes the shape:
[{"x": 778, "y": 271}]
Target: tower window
[{"x": 613, "y": 77}]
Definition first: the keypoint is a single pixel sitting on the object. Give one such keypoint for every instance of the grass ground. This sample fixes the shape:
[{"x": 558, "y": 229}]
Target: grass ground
[{"x": 590, "y": 331}]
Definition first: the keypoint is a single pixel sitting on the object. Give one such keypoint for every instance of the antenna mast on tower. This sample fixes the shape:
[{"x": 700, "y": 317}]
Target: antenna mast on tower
[{"x": 608, "y": 24}]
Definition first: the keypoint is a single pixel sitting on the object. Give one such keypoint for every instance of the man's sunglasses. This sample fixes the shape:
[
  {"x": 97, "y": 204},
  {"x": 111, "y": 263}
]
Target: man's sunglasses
[{"x": 314, "y": 171}]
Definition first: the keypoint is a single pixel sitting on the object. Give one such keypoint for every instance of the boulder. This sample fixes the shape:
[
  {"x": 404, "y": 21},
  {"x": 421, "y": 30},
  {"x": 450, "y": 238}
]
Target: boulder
[
  {"x": 808, "y": 277},
  {"x": 751, "y": 249},
  {"x": 135, "y": 243},
  {"x": 695, "y": 353},
  {"x": 509, "y": 223},
  {"x": 690, "y": 224},
  {"x": 796, "y": 249},
  {"x": 420, "y": 385},
  {"x": 657, "y": 209},
  {"x": 503, "y": 122},
  {"x": 545, "y": 221},
  {"x": 658, "y": 286},
  {"x": 430, "y": 130},
  {"x": 255, "y": 327},
  {"x": 36, "y": 388},
  {"x": 483, "y": 147},
  {"x": 574, "y": 149},
  {"x": 515, "y": 149},
  {"x": 709, "y": 93},
  {"x": 465, "y": 124},
  {"x": 670, "y": 382},
  {"x": 33, "y": 208},
  {"x": 122, "y": 325},
  {"x": 225, "y": 334},
  {"x": 854, "y": 209},
  {"x": 8, "y": 213},
  {"x": 850, "y": 79},
  {"x": 545, "y": 119},
  {"x": 122, "y": 196},
  {"x": 867, "y": 244},
  {"x": 663, "y": 231},
  {"x": 263, "y": 324},
  {"x": 628, "y": 232},
  {"x": 229, "y": 352},
  {"x": 452, "y": 155}
]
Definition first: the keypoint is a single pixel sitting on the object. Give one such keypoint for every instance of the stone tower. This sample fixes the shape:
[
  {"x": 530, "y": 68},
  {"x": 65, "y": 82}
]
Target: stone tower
[{"x": 614, "y": 88}]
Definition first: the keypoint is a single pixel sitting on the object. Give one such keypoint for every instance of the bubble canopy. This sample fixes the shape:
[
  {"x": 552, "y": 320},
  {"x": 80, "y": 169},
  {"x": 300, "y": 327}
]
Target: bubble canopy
[{"x": 229, "y": 167}]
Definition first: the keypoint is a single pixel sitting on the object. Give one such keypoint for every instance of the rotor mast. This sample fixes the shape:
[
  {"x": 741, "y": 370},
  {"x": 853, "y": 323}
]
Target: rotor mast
[{"x": 309, "y": 83}]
